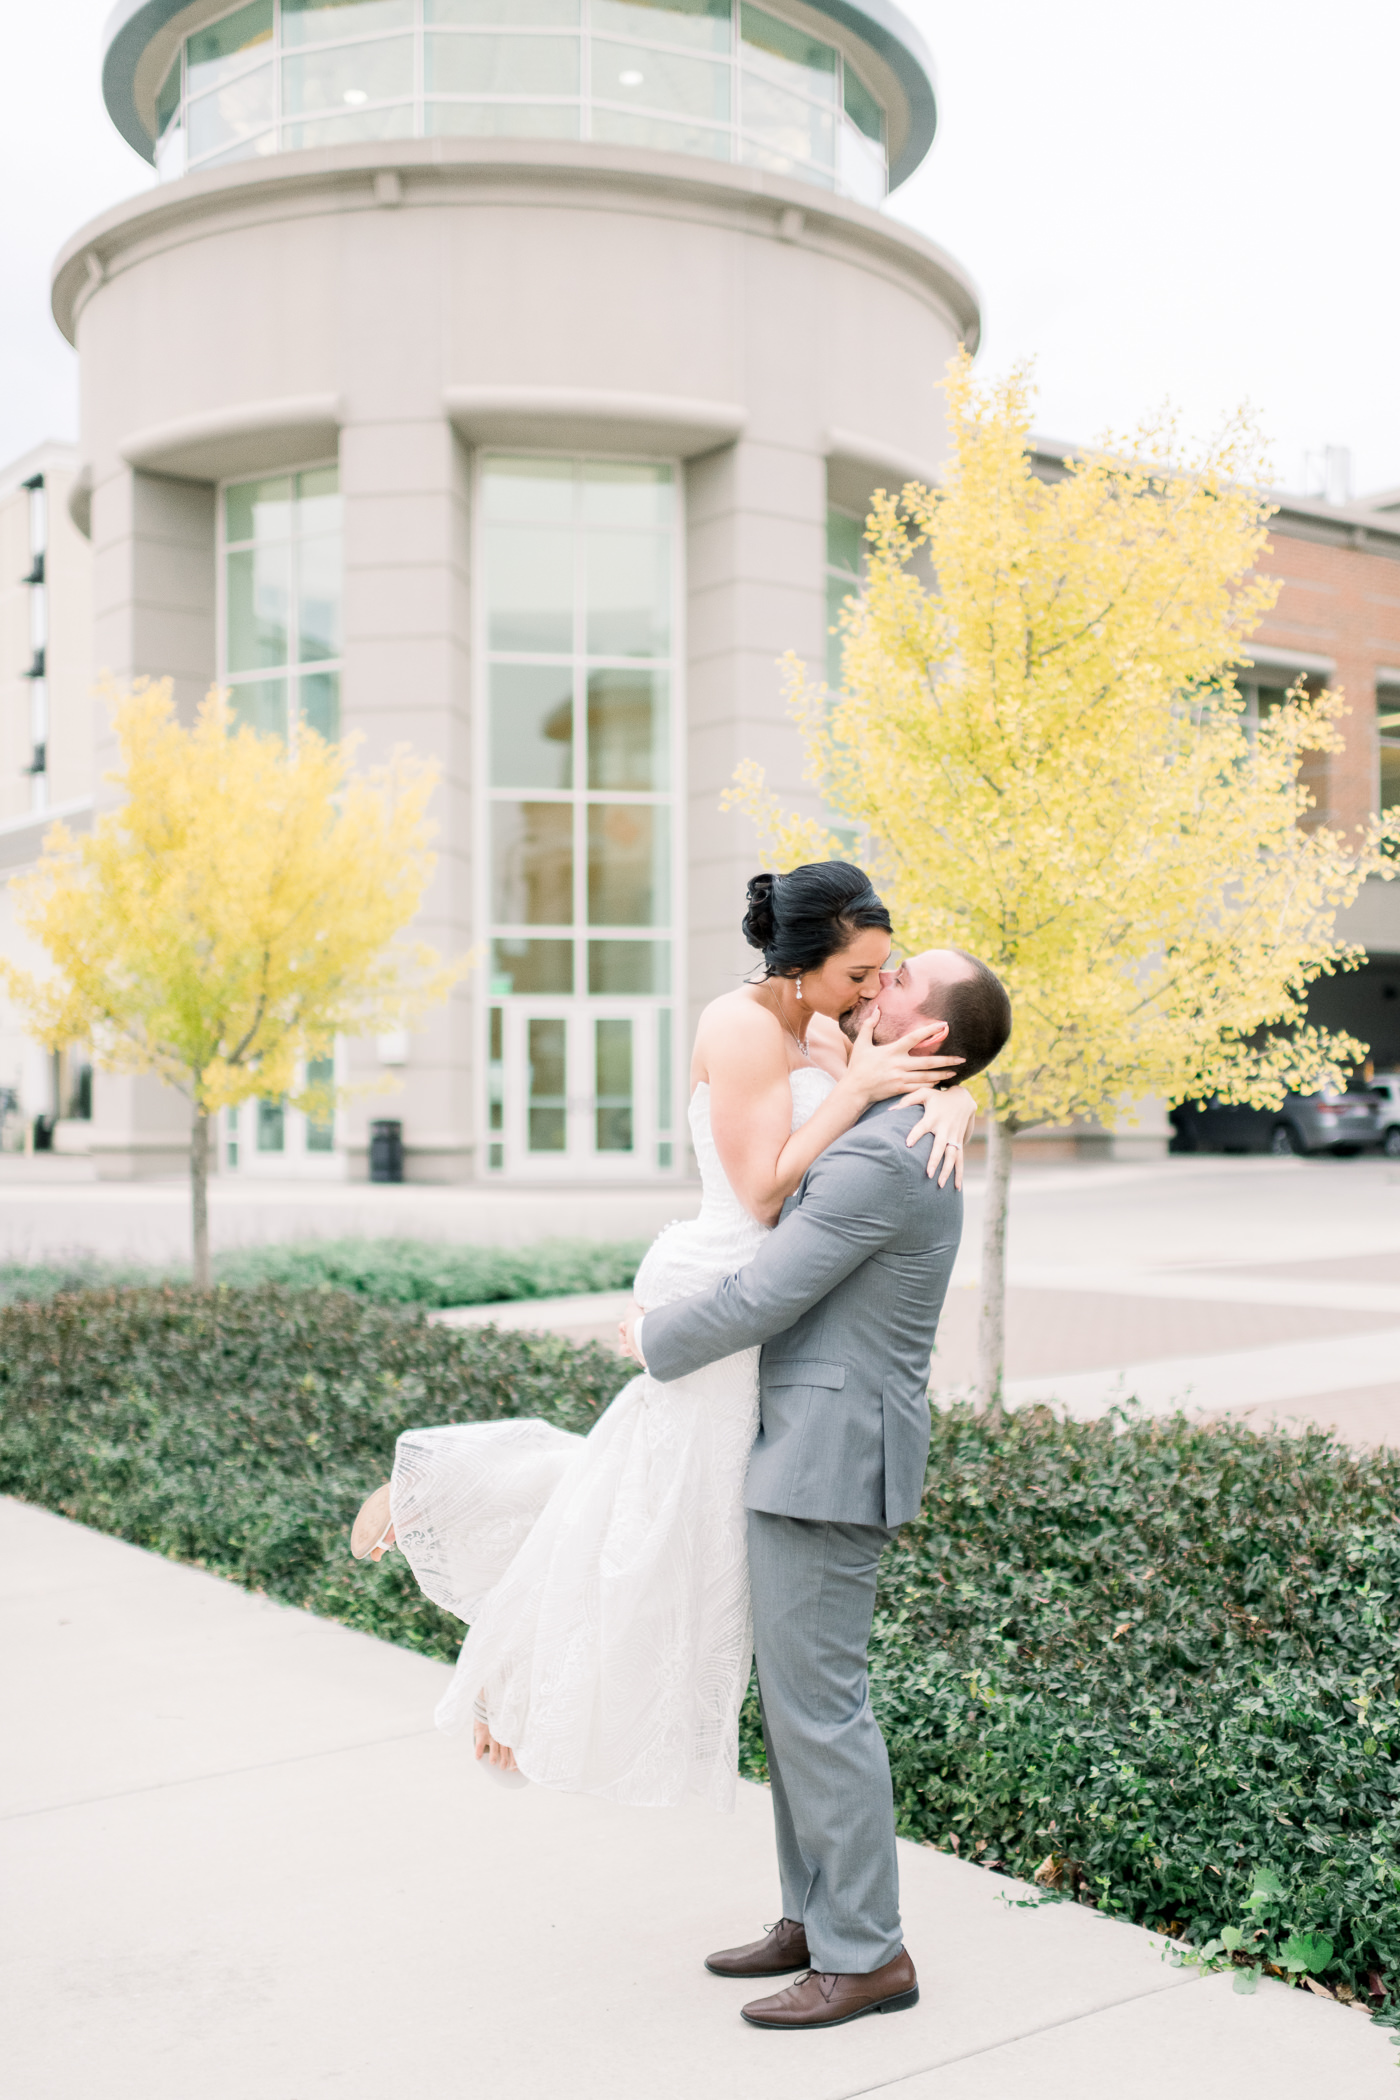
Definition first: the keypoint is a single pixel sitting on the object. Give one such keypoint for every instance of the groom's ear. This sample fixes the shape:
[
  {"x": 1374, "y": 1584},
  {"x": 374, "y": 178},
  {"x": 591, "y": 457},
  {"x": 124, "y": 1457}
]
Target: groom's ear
[{"x": 936, "y": 1037}]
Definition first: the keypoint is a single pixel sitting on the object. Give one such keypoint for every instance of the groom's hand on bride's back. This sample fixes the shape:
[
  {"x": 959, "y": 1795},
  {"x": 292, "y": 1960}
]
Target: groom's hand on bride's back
[
  {"x": 879, "y": 1070},
  {"x": 627, "y": 1334}
]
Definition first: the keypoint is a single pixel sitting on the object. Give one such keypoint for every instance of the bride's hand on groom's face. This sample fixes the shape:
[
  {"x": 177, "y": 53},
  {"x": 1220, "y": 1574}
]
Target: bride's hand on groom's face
[{"x": 877, "y": 1070}]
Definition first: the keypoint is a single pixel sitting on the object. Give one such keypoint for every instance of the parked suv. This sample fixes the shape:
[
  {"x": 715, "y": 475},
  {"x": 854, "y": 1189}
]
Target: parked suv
[
  {"x": 1387, "y": 1085},
  {"x": 1327, "y": 1121}
]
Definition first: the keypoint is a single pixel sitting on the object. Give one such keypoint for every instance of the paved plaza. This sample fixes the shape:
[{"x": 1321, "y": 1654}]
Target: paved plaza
[
  {"x": 1268, "y": 1287},
  {"x": 239, "y": 1860}
]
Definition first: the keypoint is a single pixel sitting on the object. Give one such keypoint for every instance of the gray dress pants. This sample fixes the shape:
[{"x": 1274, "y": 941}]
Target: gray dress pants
[{"x": 813, "y": 1599}]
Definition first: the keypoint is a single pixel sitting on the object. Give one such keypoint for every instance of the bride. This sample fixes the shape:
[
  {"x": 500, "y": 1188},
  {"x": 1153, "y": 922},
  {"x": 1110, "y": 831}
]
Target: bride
[{"x": 604, "y": 1578}]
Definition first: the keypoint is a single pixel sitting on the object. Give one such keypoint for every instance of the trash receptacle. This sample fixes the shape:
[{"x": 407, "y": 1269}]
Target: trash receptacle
[{"x": 386, "y": 1151}]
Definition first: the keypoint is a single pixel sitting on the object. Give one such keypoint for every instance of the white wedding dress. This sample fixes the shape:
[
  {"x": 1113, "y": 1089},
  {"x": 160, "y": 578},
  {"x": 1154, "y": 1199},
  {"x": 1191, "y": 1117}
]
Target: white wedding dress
[{"x": 605, "y": 1578}]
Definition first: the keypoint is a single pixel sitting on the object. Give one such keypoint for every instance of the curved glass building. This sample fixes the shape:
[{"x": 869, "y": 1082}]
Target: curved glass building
[{"x": 508, "y": 377}]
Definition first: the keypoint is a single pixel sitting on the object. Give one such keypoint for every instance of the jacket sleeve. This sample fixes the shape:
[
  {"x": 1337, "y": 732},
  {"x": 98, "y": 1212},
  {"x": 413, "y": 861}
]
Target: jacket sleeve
[{"x": 852, "y": 1204}]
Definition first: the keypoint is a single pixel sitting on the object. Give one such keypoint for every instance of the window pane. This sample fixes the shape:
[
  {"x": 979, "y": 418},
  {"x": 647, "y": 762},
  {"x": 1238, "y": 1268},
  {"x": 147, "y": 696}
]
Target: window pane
[
  {"x": 319, "y": 699},
  {"x": 227, "y": 47},
  {"x": 628, "y": 865},
  {"x": 323, "y": 21},
  {"x": 754, "y": 154},
  {"x": 548, "y": 1085},
  {"x": 502, "y": 65},
  {"x": 259, "y": 594},
  {"x": 843, "y": 542},
  {"x": 395, "y": 123},
  {"x": 788, "y": 55},
  {"x": 787, "y": 124},
  {"x": 864, "y": 175},
  {"x": 344, "y": 78},
  {"x": 703, "y": 25},
  {"x": 628, "y": 730},
  {"x": 231, "y": 113},
  {"x": 628, "y": 593},
  {"x": 532, "y": 726},
  {"x": 530, "y": 589},
  {"x": 320, "y": 1130},
  {"x": 620, "y": 128},
  {"x": 318, "y": 500},
  {"x": 168, "y": 100},
  {"x": 861, "y": 107},
  {"x": 502, "y": 14},
  {"x": 532, "y": 864},
  {"x": 259, "y": 510},
  {"x": 692, "y": 87},
  {"x": 622, "y": 967},
  {"x": 613, "y": 1090},
  {"x": 663, "y": 1069},
  {"x": 502, "y": 120},
  {"x": 531, "y": 966},
  {"x": 529, "y": 491},
  {"x": 272, "y": 1120},
  {"x": 623, "y": 493},
  {"x": 495, "y": 1072},
  {"x": 318, "y": 597},
  {"x": 262, "y": 705}
]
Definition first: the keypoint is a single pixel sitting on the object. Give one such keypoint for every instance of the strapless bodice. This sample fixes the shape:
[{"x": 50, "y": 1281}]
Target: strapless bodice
[{"x": 690, "y": 1256}]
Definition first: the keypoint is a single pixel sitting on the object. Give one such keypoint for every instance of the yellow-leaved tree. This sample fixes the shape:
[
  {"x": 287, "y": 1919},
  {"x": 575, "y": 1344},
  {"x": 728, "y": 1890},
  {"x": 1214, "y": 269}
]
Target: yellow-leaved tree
[
  {"x": 232, "y": 916},
  {"x": 1041, "y": 741}
]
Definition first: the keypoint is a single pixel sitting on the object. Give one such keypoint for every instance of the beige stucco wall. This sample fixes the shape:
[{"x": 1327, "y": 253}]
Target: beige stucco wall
[{"x": 401, "y": 305}]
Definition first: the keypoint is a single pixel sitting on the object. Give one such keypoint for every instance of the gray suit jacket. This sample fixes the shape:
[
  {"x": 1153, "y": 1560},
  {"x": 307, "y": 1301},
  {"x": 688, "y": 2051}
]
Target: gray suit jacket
[{"x": 845, "y": 1297}]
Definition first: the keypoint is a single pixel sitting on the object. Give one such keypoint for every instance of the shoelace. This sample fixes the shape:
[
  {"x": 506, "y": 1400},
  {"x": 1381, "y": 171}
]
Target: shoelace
[{"x": 824, "y": 1979}]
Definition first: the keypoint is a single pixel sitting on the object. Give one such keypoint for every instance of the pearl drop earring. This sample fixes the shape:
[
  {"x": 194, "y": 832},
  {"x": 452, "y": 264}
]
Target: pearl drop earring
[{"x": 799, "y": 987}]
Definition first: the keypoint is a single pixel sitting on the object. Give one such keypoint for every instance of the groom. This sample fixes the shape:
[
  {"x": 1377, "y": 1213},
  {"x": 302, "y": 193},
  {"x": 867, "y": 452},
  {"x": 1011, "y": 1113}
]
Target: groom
[{"x": 845, "y": 1296}]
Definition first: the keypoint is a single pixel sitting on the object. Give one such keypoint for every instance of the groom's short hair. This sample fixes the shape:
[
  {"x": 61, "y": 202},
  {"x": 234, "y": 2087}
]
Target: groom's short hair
[{"x": 978, "y": 1013}]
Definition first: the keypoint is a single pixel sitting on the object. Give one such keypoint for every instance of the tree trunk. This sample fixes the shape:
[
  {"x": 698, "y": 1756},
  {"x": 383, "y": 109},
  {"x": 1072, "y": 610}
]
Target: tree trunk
[
  {"x": 991, "y": 1325},
  {"x": 199, "y": 1194}
]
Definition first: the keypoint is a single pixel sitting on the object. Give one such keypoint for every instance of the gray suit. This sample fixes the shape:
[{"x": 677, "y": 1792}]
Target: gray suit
[{"x": 845, "y": 1298}]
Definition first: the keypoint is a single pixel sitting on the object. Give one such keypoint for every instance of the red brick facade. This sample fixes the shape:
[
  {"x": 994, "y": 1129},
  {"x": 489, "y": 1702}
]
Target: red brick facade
[{"x": 1338, "y": 618}]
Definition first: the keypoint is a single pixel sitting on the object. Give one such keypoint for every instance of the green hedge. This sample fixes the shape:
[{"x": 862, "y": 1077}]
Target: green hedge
[
  {"x": 1155, "y": 1662},
  {"x": 240, "y": 1430},
  {"x": 387, "y": 1272}
]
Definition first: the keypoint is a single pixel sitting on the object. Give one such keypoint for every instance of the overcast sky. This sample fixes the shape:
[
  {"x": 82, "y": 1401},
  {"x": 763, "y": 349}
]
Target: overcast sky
[{"x": 1191, "y": 204}]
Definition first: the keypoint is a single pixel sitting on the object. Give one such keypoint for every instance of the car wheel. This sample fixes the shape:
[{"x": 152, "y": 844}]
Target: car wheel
[
  {"x": 1285, "y": 1142},
  {"x": 1390, "y": 1143}
]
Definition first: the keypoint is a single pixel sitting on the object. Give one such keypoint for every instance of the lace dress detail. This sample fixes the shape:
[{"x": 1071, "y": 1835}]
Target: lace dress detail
[{"x": 605, "y": 1578}]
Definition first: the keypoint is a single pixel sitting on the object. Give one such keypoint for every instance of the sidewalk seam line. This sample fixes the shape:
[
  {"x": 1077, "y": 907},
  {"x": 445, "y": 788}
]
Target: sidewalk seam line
[
  {"x": 161, "y": 1786},
  {"x": 1008, "y": 2041}
]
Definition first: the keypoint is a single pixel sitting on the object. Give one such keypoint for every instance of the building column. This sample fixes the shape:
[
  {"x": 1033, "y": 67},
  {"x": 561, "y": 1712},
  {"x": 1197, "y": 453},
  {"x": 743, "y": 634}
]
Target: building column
[
  {"x": 405, "y": 487},
  {"x": 154, "y": 598},
  {"x": 756, "y": 587}
]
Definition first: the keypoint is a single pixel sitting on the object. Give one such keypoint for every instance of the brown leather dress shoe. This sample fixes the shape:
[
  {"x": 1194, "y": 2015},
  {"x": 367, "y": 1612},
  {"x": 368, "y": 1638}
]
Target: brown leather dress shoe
[
  {"x": 815, "y": 2000},
  {"x": 783, "y": 1949}
]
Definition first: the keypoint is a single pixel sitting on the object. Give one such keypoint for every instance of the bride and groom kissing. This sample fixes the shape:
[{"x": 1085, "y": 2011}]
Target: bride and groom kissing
[{"x": 730, "y": 1506}]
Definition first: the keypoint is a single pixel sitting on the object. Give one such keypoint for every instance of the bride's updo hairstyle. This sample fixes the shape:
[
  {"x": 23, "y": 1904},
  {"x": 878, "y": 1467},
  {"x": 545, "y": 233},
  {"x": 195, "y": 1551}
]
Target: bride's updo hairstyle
[{"x": 801, "y": 918}]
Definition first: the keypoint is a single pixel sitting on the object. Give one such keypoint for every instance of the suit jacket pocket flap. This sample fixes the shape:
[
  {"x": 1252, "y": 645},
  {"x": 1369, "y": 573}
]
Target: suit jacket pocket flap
[{"x": 790, "y": 1371}]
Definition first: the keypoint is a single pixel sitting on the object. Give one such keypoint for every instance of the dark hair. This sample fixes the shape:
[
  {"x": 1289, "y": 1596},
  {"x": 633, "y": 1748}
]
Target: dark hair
[
  {"x": 801, "y": 918},
  {"x": 978, "y": 1014}
]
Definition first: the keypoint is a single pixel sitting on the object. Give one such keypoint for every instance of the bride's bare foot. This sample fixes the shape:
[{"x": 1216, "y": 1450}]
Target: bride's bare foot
[
  {"x": 372, "y": 1534},
  {"x": 498, "y": 1755}
]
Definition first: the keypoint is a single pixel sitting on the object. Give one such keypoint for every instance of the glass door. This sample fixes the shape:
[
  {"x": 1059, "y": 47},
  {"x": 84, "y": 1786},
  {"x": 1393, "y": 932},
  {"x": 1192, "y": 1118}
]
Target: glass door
[
  {"x": 580, "y": 1088},
  {"x": 580, "y": 890}
]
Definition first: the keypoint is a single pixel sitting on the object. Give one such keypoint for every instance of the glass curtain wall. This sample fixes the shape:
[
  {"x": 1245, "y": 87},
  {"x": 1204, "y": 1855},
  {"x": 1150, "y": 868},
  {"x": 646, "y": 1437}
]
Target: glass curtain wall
[
  {"x": 282, "y": 589},
  {"x": 280, "y": 657},
  {"x": 580, "y": 696},
  {"x": 718, "y": 78}
]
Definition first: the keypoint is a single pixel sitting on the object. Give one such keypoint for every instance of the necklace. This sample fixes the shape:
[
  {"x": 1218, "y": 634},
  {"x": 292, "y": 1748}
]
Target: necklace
[{"x": 777, "y": 1009}]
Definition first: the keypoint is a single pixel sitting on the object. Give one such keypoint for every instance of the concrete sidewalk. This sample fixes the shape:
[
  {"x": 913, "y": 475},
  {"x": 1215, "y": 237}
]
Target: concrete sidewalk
[{"x": 240, "y": 1864}]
